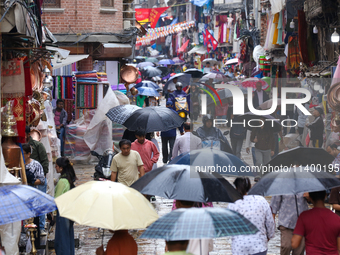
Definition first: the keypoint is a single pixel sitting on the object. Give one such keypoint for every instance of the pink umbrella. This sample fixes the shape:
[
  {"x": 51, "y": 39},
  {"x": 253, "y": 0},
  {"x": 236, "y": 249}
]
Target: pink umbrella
[
  {"x": 178, "y": 61},
  {"x": 251, "y": 83}
]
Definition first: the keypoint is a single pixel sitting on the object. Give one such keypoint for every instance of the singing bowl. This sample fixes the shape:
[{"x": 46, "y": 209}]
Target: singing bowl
[{"x": 129, "y": 74}]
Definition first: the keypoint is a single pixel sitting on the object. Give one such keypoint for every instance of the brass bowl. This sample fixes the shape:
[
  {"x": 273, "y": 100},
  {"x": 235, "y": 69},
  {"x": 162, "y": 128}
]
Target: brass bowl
[{"x": 129, "y": 74}]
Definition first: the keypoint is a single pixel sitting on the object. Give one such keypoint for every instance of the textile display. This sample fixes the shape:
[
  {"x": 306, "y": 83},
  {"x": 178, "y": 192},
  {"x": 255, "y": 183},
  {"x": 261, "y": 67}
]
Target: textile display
[
  {"x": 13, "y": 78},
  {"x": 87, "y": 95},
  {"x": 265, "y": 65},
  {"x": 69, "y": 108},
  {"x": 293, "y": 59},
  {"x": 63, "y": 87},
  {"x": 303, "y": 27}
]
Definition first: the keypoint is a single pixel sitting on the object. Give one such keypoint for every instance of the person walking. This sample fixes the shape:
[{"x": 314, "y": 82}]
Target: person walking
[
  {"x": 334, "y": 198},
  {"x": 64, "y": 233},
  {"x": 146, "y": 149},
  {"x": 187, "y": 142},
  {"x": 257, "y": 210},
  {"x": 237, "y": 135},
  {"x": 195, "y": 104},
  {"x": 250, "y": 146},
  {"x": 316, "y": 128},
  {"x": 319, "y": 226},
  {"x": 285, "y": 206},
  {"x": 127, "y": 164},
  {"x": 60, "y": 119},
  {"x": 259, "y": 95},
  {"x": 121, "y": 243}
]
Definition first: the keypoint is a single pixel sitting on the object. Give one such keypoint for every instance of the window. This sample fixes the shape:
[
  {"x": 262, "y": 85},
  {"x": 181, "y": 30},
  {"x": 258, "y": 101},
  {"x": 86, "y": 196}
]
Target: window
[
  {"x": 51, "y": 4},
  {"x": 106, "y": 3}
]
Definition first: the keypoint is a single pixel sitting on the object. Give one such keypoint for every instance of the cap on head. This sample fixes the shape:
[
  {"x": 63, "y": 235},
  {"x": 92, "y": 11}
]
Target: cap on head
[
  {"x": 319, "y": 109},
  {"x": 207, "y": 117}
]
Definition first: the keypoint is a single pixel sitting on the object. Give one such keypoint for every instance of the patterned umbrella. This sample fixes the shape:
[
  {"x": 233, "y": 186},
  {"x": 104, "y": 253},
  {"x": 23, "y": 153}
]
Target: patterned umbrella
[
  {"x": 166, "y": 62},
  {"x": 121, "y": 113},
  {"x": 215, "y": 76},
  {"x": 198, "y": 223},
  {"x": 178, "y": 61},
  {"x": 21, "y": 202},
  {"x": 148, "y": 84},
  {"x": 251, "y": 83}
]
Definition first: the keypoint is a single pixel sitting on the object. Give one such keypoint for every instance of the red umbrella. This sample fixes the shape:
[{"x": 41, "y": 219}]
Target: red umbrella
[
  {"x": 251, "y": 82},
  {"x": 172, "y": 74},
  {"x": 183, "y": 47}
]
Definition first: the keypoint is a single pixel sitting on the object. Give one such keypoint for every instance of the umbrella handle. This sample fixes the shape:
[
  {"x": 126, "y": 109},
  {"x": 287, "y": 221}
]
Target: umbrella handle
[{"x": 103, "y": 237}]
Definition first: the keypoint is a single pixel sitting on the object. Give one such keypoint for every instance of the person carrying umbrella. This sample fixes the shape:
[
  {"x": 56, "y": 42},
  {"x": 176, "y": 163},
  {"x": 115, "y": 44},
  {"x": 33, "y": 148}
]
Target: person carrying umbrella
[
  {"x": 127, "y": 164},
  {"x": 334, "y": 198},
  {"x": 259, "y": 95},
  {"x": 257, "y": 210},
  {"x": 121, "y": 243},
  {"x": 316, "y": 128},
  {"x": 207, "y": 68},
  {"x": 177, "y": 247},
  {"x": 194, "y": 102},
  {"x": 320, "y": 227}
]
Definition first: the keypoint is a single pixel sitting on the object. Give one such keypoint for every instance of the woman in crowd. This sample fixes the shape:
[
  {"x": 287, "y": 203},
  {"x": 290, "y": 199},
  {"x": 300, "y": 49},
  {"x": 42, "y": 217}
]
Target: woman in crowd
[
  {"x": 257, "y": 210},
  {"x": 64, "y": 234}
]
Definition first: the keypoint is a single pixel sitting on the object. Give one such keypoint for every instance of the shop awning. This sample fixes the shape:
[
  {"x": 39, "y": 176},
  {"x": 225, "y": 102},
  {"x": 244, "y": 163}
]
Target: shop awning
[
  {"x": 63, "y": 53},
  {"x": 68, "y": 61},
  {"x": 117, "y": 45},
  {"x": 199, "y": 50}
]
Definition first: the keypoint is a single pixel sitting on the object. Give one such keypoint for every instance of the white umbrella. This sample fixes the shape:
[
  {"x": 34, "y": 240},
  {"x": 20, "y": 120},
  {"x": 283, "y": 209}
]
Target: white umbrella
[
  {"x": 231, "y": 61},
  {"x": 212, "y": 61}
]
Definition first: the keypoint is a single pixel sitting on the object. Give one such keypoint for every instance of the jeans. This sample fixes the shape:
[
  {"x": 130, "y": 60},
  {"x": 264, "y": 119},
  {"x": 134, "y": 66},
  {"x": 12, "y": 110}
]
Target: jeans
[
  {"x": 262, "y": 158},
  {"x": 42, "y": 188},
  {"x": 61, "y": 136},
  {"x": 165, "y": 152},
  {"x": 64, "y": 236},
  {"x": 236, "y": 144},
  {"x": 253, "y": 154}
]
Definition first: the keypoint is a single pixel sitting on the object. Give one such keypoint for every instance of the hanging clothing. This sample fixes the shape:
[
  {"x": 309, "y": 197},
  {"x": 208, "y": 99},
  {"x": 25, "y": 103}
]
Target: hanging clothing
[
  {"x": 303, "y": 27},
  {"x": 293, "y": 59}
]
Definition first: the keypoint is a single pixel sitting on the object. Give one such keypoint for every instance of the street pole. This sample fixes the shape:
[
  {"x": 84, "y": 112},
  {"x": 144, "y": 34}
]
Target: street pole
[{"x": 256, "y": 12}]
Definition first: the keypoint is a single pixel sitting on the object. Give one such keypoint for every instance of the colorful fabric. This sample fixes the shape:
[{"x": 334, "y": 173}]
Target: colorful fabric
[
  {"x": 13, "y": 78},
  {"x": 303, "y": 28},
  {"x": 293, "y": 59}
]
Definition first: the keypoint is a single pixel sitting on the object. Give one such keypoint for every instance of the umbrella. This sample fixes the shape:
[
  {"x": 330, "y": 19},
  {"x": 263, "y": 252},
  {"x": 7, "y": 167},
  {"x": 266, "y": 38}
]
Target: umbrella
[
  {"x": 215, "y": 76},
  {"x": 148, "y": 84},
  {"x": 268, "y": 104},
  {"x": 108, "y": 205},
  {"x": 166, "y": 62},
  {"x": 231, "y": 61},
  {"x": 302, "y": 156},
  {"x": 178, "y": 61},
  {"x": 151, "y": 71},
  {"x": 140, "y": 59},
  {"x": 161, "y": 56},
  {"x": 153, "y": 119},
  {"x": 184, "y": 78},
  {"x": 250, "y": 116},
  {"x": 150, "y": 92},
  {"x": 199, "y": 223},
  {"x": 251, "y": 83},
  {"x": 195, "y": 73},
  {"x": 21, "y": 202},
  {"x": 121, "y": 113},
  {"x": 223, "y": 93},
  {"x": 178, "y": 182},
  {"x": 145, "y": 64},
  {"x": 153, "y": 60},
  {"x": 212, "y": 61},
  {"x": 214, "y": 160},
  {"x": 294, "y": 180},
  {"x": 165, "y": 71},
  {"x": 184, "y": 47}
]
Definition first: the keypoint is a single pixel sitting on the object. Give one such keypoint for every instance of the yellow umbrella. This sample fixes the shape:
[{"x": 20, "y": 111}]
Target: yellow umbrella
[{"x": 108, "y": 205}]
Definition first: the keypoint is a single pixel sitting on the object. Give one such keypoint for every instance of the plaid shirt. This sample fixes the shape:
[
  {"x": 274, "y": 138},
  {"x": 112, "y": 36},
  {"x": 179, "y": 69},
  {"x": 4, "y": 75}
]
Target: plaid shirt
[{"x": 35, "y": 168}]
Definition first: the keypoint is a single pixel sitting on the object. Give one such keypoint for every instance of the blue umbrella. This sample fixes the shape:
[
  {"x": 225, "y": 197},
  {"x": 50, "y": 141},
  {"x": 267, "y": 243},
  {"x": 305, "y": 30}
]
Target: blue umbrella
[
  {"x": 150, "y": 92},
  {"x": 199, "y": 223},
  {"x": 147, "y": 84},
  {"x": 145, "y": 64},
  {"x": 21, "y": 202},
  {"x": 215, "y": 161},
  {"x": 184, "y": 78},
  {"x": 166, "y": 62}
]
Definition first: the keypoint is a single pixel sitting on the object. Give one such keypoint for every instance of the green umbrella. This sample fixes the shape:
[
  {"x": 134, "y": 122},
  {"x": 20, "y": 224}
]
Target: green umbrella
[{"x": 152, "y": 60}]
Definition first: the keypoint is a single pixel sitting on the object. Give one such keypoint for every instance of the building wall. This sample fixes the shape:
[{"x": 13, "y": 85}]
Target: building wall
[{"x": 84, "y": 16}]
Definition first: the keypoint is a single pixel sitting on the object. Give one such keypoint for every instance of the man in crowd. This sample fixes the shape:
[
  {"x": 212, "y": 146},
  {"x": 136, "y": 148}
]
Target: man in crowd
[
  {"x": 316, "y": 128},
  {"x": 60, "y": 119},
  {"x": 207, "y": 68},
  {"x": 127, "y": 164},
  {"x": 288, "y": 215},
  {"x": 187, "y": 142},
  {"x": 121, "y": 243},
  {"x": 177, "y": 93},
  {"x": 320, "y": 227},
  {"x": 259, "y": 95},
  {"x": 146, "y": 149},
  {"x": 168, "y": 137},
  {"x": 230, "y": 73}
]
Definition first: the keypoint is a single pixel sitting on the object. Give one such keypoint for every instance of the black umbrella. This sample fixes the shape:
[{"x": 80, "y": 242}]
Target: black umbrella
[
  {"x": 195, "y": 73},
  {"x": 151, "y": 119},
  {"x": 302, "y": 156},
  {"x": 165, "y": 71},
  {"x": 151, "y": 71},
  {"x": 270, "y": 120},
  {"x": 181, "y": 183}
]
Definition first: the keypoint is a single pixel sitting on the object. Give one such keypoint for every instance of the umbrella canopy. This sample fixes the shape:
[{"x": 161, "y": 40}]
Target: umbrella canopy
[
  {"x": 251, "y": 83},
  {"x": 152, "y": 60},
  {"x": 184, "y": 78},
  {"x": 198, "y": 223},
  {"x": 166, "y": 62},
  {"x": 268, "y": 104},
  {"x": 250, "y": 116},
  {"x": 178, "y": 61},
  {"x": 151, "y": 71},
  {"x": 231, "y": 61},
  {"x": 294, "y": 180},
  {"x": 195, "y": 73},
  {"x": 184, "y": 47},
  {"x": 140, "y": 59},
  {"x": 121, "y": 113},
  {"x": 147, "y": 84},
  {"x": 153, "y": 119},
  {"x": 108, "y": 205},
  {"x": 302, "y": 156},
  {"x": 214, "y": 160},
  {"x": 165, "y": 71},
  {"x": 178, "y": 182},
  {"x": 215, "y": 76},
  {"x": 145, "y": 64},
  {"x": 150, "y": 92},
  {"x": 223, "y": 93},
  {"x": 212, "y": 61},
  {"x": 21, "y": 202}
]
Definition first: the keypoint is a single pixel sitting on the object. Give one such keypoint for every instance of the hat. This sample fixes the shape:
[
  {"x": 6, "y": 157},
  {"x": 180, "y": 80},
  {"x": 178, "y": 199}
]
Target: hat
[
  {"x": 169, "y": 103},
  {"x": 319, "y": 109}
]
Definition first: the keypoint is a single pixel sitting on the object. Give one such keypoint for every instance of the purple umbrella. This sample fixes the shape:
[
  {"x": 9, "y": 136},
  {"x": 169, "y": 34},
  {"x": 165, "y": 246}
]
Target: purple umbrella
[
  {"x": 178, "y": 61},
  {"x": 166, "y": 62},
  {"x": 145, "y": 64}
]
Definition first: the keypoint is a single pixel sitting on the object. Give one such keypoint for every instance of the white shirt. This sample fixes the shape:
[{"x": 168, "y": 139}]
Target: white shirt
[
  {"x": 248, "y": 142},
  {"x": 206, "y": 69},
  {"x": 257, "y": 210},
  {"x": 195, "y": 246},
  {"x": 260, "y": 96},
  {"x": 186, "y": 143}
]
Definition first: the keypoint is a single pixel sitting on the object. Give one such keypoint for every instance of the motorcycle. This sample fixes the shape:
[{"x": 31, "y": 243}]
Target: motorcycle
[
  {"x": 182, "y": 107},
  {"x": 102, "y": 169}
]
